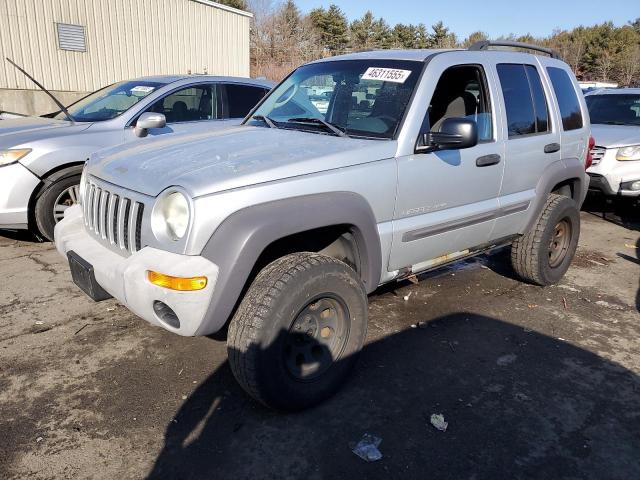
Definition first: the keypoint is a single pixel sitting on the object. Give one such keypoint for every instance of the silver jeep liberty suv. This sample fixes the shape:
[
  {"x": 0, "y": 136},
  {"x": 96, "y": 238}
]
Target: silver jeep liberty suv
[{"x": 280, "y": 227}]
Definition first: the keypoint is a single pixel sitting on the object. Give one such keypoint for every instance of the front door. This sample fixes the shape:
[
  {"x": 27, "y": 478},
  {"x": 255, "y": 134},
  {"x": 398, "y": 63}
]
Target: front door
[{"x": 447, "y": 201}]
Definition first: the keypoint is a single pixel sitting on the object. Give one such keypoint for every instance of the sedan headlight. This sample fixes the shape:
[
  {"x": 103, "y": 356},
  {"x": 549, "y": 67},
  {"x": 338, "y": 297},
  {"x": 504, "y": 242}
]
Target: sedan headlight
[
  {"x": 12, "y": 155},
  {"x": 628, "y": 153},
  {"x": 171, "y": 215}
]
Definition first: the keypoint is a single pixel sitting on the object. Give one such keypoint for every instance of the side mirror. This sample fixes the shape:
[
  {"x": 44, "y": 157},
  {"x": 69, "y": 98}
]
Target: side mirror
[
  {"x": 454, "y": 134},
  {"x": 149, "y": 120}
]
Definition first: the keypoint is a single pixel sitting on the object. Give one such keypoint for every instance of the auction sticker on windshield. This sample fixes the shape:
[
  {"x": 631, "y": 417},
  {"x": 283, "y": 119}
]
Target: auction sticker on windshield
[
  {"x": 142, "y": 89},
  {"x": 386, "y": 74}
]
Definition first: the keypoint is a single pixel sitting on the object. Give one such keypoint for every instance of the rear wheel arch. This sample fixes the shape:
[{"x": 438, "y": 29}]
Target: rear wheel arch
[{"x": 566, "y": 178}]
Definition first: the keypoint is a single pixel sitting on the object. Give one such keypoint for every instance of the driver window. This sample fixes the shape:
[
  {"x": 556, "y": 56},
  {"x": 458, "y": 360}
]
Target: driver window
[
  {"x": 462, "y": 92},
  {"x": 189, "y": 104}
]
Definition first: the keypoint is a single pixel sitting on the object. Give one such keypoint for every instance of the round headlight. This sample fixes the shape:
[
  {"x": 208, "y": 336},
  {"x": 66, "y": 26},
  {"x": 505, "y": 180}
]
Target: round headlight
[{"x": 171, "y": 215}]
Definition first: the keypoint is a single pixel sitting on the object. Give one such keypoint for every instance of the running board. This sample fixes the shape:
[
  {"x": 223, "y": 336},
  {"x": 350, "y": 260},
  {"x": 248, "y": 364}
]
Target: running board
[{"x": 443, "y": 260}]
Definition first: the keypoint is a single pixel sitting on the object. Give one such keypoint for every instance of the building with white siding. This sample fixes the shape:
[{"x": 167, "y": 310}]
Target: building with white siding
[{"x": 77, "y": 46}]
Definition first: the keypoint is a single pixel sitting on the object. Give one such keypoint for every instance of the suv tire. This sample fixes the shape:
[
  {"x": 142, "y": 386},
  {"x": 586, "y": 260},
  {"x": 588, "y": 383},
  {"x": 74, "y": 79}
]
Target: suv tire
[
  {"x": 298, "y": 331},
  {"x": 56, "y": 195},
  {"x": 542, "y": 256}
]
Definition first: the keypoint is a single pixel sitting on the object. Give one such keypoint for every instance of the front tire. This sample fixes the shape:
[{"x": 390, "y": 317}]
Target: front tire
[
  {"x": 53, "y": 201},
  {"x": 298, "y": 331},
  {"x": 543, "y": 255}
]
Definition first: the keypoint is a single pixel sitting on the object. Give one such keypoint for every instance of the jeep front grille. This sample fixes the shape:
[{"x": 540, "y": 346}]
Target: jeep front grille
[
  {"x": 113, "y": 218},
  {"x": 596, "y": 154}
]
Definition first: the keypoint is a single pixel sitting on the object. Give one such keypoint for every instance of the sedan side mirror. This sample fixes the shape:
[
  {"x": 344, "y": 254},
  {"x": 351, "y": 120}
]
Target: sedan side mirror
[
  {"x": 455, "y": 134},
  {"x": 149, "y": 120}
]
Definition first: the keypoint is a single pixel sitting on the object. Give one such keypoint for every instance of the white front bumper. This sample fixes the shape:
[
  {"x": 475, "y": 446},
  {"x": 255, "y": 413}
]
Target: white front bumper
[
  {"x": 125, "y": 278},
  {"x": 16, "y": 186},
  {"x": 615, "y": 173}
]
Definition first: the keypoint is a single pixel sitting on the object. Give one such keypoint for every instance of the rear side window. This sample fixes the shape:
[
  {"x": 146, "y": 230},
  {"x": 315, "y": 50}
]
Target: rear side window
[
  {"x": 539, "y": 100},
  {"x": 242, "y": 98},
  {"x": 524, "y": 99},
  {"x": 567, "y": 98}
]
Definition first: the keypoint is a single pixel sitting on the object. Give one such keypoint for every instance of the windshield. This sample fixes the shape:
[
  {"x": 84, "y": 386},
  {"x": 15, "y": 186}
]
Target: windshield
[
  {"x": 110, "y": 101},
  {"x": 359, "y": 98},
  {"x": 614, "y": 109}
]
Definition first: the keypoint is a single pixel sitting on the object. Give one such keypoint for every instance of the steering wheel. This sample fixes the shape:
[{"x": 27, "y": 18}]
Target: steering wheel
[{"x": 294, "y": 90}]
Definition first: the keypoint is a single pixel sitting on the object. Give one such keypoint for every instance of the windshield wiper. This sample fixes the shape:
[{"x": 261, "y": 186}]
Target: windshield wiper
[
  {"x": 62, "y": 107},
  {"x": 319, "y": 121},
  {"x": 263, "y": 118}
]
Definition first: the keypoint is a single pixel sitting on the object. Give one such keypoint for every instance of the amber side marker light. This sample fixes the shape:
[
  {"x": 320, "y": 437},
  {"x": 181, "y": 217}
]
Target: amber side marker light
[{"x": 181, "y": 284}]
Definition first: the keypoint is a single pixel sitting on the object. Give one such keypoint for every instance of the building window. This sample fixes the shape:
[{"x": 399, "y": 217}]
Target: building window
[{"x": 71, "y": 37}]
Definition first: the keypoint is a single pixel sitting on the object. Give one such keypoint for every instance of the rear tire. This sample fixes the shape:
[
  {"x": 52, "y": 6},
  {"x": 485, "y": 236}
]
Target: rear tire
[
  {"x": 298, "y": 331},
  {"x": 53, "y": 200},
  {"x": 543, "y": 255}
]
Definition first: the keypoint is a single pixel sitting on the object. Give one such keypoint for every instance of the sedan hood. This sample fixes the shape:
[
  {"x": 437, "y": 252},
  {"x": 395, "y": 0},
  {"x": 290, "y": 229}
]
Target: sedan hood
[
  {"x": 612, "y": 136},
  {"x": 216, "y": 161},
  {"x": 21, "y": 131}
]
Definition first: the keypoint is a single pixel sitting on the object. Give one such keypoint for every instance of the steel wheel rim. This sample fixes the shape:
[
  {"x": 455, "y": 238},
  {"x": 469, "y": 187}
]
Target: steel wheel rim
[
  {"x": 66, "y": 199},
  {"x": 559, "y": 244},
  {"x": 316, "y": 338}
]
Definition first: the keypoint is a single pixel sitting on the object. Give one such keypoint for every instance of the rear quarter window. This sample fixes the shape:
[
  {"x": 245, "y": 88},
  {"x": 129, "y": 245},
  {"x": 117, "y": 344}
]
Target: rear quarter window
[{"x": 567, "y": 98}]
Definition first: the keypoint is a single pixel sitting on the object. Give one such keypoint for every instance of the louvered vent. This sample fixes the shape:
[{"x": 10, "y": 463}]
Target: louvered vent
[{"x": 71, "y": 37}]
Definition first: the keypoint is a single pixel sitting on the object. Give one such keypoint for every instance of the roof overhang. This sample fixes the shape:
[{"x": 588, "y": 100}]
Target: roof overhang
[{"x": 213, "y": 4}]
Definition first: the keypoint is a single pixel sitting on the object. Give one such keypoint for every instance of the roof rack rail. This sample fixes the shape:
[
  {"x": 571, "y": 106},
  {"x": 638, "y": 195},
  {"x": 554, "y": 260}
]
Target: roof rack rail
[{"x": 485, "y": 44}]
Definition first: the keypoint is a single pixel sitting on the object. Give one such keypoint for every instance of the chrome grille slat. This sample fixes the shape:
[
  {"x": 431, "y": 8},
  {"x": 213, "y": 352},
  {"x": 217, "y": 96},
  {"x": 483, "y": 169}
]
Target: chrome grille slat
[
  {"x": 597, "y": 153},
  {"x": 102, "y": 214},
  {"x": 109, "y": 218},
  {"x": 124, "y": 205},
  {"x": 114, "y": 217},
  {"x": 133, "y": 218}
]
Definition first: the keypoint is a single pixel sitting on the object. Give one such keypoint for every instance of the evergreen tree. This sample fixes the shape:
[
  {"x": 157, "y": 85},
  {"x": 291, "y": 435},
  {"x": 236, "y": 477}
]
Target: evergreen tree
[
  {"x": 333, "y": 28},
  {"x": 362, "y": 32}
]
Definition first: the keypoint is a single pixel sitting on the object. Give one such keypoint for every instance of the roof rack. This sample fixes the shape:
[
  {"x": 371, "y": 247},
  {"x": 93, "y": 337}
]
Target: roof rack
[{"x": 485, "y": 44}]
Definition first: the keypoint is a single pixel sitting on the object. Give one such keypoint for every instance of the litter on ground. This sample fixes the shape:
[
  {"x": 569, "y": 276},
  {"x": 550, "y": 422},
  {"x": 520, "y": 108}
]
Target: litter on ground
[
  {"x": 437, "y": 420},
  {"x": 367, "y": 448}
]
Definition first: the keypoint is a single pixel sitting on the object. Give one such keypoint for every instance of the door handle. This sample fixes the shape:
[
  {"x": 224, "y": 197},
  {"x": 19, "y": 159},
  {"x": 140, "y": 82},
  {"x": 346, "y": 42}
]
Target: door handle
[
  {"x": 488, "y": 160},
  {"x": 552, "y": 148}
]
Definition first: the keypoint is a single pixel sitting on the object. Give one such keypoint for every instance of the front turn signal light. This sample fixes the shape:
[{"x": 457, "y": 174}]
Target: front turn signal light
[{"x": 182, "y": 284}]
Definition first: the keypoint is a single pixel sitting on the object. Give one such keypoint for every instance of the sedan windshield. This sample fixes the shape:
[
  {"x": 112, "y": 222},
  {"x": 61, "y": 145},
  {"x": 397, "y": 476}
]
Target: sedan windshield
[
  {"x": 614, "y": 109},
  {"x": 358, "y": 98},
  {"x": 110, "y": 101}
]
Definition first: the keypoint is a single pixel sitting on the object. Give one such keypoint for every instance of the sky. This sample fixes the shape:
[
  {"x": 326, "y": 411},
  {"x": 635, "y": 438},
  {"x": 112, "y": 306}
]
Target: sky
[{"x": 496, "y": 17}]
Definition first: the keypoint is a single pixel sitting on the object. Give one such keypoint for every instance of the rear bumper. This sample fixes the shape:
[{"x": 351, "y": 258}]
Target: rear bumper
[
  {"x": 16, "y": 187},
  {"x": 125, "y": 278}
]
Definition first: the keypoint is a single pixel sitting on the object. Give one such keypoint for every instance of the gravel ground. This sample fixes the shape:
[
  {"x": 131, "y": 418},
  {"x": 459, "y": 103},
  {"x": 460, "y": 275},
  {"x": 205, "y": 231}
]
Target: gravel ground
[{"x": 533, "y": 382}]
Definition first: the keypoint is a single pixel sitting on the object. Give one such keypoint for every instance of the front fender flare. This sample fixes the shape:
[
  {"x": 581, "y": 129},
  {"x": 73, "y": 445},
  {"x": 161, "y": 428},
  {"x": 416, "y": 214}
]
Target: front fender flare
[{"x": 238, "y": 242}]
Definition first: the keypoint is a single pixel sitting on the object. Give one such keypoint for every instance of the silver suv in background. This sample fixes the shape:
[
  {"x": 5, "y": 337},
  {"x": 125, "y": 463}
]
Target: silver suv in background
[
  {"x": 279, "y": 228},
  {"x": 615, "y": 120},
  {"x": 41, "y": 158}
]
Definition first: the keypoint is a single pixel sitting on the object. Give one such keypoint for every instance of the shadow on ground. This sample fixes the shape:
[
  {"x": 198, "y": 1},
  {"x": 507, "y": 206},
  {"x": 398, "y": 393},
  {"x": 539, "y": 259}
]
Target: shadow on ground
[
  {"x": 621, "y": 211},
  {"x": 519, "y": 405},
  {"x": 20, "y": 235}
]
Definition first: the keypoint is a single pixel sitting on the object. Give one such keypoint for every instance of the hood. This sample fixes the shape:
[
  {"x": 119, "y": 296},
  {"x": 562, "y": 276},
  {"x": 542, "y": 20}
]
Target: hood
[
  {"x": 612, "y": 136},
  {"x": 21, "y": 131},
  {"x": 241, "y": 156}
]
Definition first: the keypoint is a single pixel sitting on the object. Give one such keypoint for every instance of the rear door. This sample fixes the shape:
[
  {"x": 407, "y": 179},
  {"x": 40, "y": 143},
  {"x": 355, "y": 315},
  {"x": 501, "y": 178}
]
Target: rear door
[
  {"x": 533, "y": 137},
  {"x": 238, "y": 100}
]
